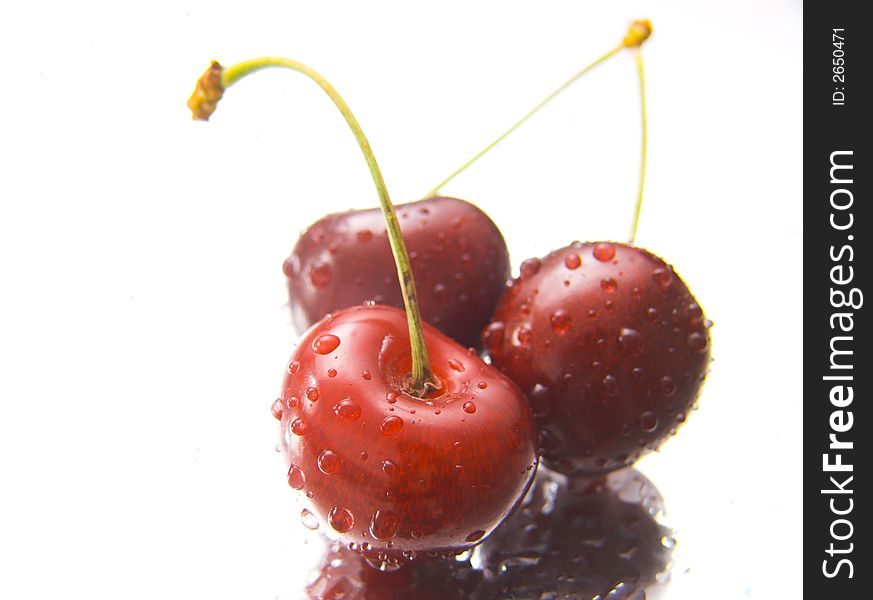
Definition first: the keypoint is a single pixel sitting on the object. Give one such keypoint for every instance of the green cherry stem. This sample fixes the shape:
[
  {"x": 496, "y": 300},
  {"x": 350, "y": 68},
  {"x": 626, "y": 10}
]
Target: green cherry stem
[
  {"x": 210, "y": 88},
  {"x": 638, "y": 56},
  {"x": 638, "y": 32}
]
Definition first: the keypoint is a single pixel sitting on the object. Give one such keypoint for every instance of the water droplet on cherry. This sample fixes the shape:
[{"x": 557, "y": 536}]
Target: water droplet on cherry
[
  {"x": 561, "y": 321},
  {"x": 309, "y": 520},
  {"x": 320, "y": 275},
  {"x": 329, "y": 462},
  {"x": 648, "y": 421},
  {"x": 383, "y": 525},
  {"x": 347, "y": 409},
  {"x": 572, "y": 261},
  {"x": 391, "y": 425},
  {"x": 298, "y": 426},
  {"x": 325, "y": 344},
  {"x": 296, "y": 477},
  {"x": 630, "y": 341},
  {"x": 341, "y": 519}
]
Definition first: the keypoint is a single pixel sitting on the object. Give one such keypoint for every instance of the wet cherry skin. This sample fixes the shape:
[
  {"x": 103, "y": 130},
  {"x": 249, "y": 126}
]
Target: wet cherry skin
[
  {"x": 395, "y": 475},
  {"x": 459, "y": 260},
  {"x": 610, "y": 347}
]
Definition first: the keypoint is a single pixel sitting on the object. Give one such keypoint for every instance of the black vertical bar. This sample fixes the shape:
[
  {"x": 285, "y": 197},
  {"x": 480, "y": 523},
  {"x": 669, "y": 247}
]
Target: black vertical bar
[{"x": 837, "y": 262}]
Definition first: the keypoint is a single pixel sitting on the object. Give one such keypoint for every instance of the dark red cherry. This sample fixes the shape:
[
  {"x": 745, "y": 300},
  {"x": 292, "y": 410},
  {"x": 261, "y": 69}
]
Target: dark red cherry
[
  {"x": 404, "y": 475},
  {"x": 458, "y": 256},
  {"x": 580, "y": 538},
  {"x": 346, "y": 575},
  {"x": 610, "y": 347}
]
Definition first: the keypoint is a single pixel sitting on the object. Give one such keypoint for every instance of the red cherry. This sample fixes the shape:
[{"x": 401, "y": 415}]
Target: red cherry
[
  {"x": 611, "y": 348},
  {"x": 400, "y": 473},
  {"x": 580, "y": 538},
  {"x": 459, "y": 260}
]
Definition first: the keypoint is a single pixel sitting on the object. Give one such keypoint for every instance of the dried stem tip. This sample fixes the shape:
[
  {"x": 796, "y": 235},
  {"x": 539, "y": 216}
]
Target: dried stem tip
[
  {"x": 207, "y": 93},
  {"x": 638, "y": 33}
]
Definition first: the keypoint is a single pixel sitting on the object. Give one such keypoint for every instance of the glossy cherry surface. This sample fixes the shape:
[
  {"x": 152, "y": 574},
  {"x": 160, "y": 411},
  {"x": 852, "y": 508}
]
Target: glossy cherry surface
[
  {"x": 610, "y": 347},
  {"x": 393, "y": 474},
  {"x": 459, "y": 260}
]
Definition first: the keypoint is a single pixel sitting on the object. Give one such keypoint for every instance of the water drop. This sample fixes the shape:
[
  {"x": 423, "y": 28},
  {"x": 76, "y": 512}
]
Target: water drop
[
  {"x": 298, "y": 427},
  {"x": 325, "y": 344},
  {"x": 292, "y": 402},
  {"x": 364, "y": 236},
  {"x": 610, "y": 384},
  {"x": 662, "y": 276},
  {"x": 347, "y": 409},
  {"x": 309, "y": 520},
  {"x": 319, "y": 275},
  {"x": 608, "y": 285},
  {"x": 312, "y": 394},
  {"x": 561, "y": 321},
  {"x": 277, "y": 409},
  {"x": 572, "y": 261},
  {"x": 540, "y": 400},
  {"x": 293, "y": 367},
  {"x": 364, "y": 455},
  {"x": 456, "y": 365},
  {"x": 652, "y": 313},
  {"x": 340, "y": 519},
  {"x": 469, "y": 408},
  {"x": 604, "y": 252},
  {"x": 697, "y": 342},
  {"x": 331, "y": 373},
  {"x": 648, "y": 421},
  {"x": 296, "y": 477},
  {"x": 390, "y": 468},
  {"x": 475, "y": 536},
  {"x": 329, "y": 462},
  {"x": 383, "y": 525},
  {"x": 439, "y": 291},
  {"x": 522, "y": 335},
  {"x": 391, "y": 397},
  {"x": 630, "y": 341},
  {"x": 366, "y": 375},
  {"x": 668, "y": 386},
  {"x": 530, "y": 267},
  {"x": 391, "y": 425}
]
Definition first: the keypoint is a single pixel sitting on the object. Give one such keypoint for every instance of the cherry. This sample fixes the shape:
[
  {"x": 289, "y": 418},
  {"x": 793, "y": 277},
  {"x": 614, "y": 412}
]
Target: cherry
[
  {"x": 458, "y": 257},
  {"x": 402, "y": 442},
  {"x": 395, "y": 474},
  {"x": 580, "y": 538},
  {"x": 610, "y": 347}
]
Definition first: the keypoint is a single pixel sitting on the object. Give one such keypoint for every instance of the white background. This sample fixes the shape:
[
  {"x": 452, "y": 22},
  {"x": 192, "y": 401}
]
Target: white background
[{"x": 142, "y": 329}]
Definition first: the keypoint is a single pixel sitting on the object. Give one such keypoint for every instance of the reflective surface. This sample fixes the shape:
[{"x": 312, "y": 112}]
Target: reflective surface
[{"x": 570, "y": 540}]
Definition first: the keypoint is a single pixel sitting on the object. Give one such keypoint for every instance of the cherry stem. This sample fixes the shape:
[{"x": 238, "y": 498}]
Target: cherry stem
[
  {"x": 638, "y": 55},
  {"x": 638, "y": 32},
  {"x": 202, "y": 103}
]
